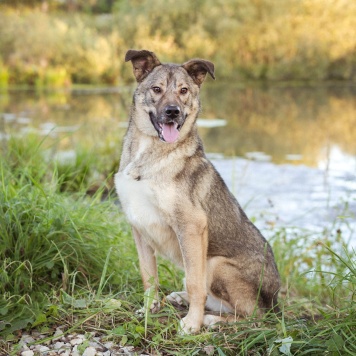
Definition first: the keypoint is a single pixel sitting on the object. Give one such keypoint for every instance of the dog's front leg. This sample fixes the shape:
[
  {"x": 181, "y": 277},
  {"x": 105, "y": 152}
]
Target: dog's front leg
[
  {"x": 194, "y": 244},
  {"x": 148, "y": 268}
]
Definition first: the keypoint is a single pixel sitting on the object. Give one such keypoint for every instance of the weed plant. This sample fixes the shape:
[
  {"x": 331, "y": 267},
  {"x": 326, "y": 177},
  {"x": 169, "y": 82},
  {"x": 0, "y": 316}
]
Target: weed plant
[{"x": 67, "y": 259}]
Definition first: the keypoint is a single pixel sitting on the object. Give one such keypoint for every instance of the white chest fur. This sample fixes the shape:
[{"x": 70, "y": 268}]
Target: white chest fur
[
  {"x": 144, "y": 206},
  {"x": 138, "y": 201}
]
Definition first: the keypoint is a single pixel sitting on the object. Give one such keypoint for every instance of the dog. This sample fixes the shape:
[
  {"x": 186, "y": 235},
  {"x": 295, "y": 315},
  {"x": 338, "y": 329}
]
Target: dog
[{"x": 179, "y": 206}]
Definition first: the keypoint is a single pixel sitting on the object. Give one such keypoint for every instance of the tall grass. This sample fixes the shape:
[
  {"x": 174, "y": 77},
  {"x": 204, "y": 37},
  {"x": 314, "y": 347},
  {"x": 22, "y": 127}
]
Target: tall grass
[
  {"x": 68, "y": 259},
  {"x": 49, "y": 238}
]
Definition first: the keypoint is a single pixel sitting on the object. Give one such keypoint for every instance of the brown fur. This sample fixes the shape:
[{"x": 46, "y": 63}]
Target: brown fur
[{"x": 179, "y": 206}]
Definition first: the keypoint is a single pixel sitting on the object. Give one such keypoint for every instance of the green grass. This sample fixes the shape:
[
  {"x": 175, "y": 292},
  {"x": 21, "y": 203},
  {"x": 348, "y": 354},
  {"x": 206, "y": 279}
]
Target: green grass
[{"x": 68, "y": 259}]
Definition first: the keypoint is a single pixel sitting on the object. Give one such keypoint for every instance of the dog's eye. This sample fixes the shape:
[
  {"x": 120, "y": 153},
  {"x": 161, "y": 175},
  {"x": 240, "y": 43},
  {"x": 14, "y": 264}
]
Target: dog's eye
[
  {"x": 184, "y": 91},
  {"x": 156, "y": 89}
]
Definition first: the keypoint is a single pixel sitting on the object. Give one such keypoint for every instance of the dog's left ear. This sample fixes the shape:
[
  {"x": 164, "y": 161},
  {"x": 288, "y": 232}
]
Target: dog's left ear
[
  {"x": 143, "y": 62},
  {"x": 197, "y": 69}
]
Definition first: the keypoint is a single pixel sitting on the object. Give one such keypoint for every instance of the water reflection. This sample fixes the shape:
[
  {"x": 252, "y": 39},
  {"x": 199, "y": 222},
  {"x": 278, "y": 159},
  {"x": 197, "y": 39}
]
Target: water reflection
[
  {"x": 282, "y": 124},
  {"x": 288, "y": 124},
  {"x": 312, "y": 129}
]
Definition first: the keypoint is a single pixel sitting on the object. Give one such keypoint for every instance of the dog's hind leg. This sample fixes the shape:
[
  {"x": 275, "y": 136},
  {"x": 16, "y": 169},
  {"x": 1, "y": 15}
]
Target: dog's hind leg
[
  {"x": 228, "y": 284},
  {"x": 149, "y": 274},
  {"x": 217, "y": 309}
]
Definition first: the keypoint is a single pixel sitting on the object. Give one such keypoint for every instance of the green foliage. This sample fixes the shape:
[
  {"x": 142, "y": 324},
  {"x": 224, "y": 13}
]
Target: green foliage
[
  {"x": 49, "y": 240},
  {"x": 69, "y": 260}
]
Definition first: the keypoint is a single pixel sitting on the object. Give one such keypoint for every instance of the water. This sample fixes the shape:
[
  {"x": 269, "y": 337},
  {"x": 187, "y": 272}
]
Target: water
[{"x": 288, "y": 153}]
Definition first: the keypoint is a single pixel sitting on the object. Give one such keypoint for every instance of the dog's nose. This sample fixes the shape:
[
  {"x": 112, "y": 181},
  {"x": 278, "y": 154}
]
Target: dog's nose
[{"x": 172, "y": 111}]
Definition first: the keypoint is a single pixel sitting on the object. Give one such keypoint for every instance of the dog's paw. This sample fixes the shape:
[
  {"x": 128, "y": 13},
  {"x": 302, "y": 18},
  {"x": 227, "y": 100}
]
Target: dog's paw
[
  {"x": 188, "y": 326},
  {"x": 154, "y": 308},
  {"x": 178, "y": 298},
  {"x": 211, "y": 321}
]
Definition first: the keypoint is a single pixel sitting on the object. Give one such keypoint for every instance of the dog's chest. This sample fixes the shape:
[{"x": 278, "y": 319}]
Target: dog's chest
[
  {"x": 139, "y": 189},
  {"x": 146, "y": 207},
  {"x": 137, "y": 198}
]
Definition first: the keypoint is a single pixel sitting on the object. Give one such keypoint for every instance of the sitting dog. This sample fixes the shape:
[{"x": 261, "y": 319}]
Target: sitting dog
[{"x": 179, "y": 206}]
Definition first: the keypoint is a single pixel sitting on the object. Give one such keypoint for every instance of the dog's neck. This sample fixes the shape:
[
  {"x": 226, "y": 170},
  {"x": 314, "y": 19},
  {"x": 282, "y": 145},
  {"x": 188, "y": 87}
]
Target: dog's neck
[{"x": 139, "y": 147}]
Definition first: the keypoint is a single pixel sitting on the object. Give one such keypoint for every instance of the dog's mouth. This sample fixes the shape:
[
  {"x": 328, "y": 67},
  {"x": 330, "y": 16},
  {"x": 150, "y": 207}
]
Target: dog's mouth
[{"x": 168, "y": 131}]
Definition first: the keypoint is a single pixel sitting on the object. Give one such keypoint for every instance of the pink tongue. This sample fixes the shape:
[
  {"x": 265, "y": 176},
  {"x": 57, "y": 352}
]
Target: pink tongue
[{"x": 170, "y": 132}]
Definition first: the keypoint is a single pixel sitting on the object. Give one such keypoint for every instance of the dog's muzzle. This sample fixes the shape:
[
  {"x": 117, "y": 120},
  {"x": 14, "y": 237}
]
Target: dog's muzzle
[{"x": 168, "y": 123}]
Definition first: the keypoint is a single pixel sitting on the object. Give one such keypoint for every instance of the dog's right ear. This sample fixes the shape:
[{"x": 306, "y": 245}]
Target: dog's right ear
[{"x": 143, "y": 62}]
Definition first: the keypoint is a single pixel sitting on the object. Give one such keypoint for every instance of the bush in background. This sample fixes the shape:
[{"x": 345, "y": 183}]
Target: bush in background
[
  {"x": 258, "y": 40},
  {"x": 48, "y": 50}
]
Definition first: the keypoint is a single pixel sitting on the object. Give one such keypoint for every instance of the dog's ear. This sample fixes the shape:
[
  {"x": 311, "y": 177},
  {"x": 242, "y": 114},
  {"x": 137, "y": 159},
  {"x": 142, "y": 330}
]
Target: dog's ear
[
  {"x": 142, "y": 61},
  {"x": 197, "y": 69}
]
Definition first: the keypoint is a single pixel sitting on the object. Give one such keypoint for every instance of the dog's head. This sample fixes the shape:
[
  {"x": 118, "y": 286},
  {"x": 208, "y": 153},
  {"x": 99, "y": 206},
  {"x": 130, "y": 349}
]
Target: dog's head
[{"x": 166, "y": 101}]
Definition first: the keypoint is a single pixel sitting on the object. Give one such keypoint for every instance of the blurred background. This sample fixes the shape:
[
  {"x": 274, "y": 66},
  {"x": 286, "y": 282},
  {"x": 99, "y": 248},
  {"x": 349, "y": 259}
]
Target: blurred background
[
  {"x": 59, "y": 42},
  {"x": 285, "y": 91}
]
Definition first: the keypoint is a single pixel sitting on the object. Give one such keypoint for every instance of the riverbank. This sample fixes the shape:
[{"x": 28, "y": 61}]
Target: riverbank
[{"x": 69, "y": 261}]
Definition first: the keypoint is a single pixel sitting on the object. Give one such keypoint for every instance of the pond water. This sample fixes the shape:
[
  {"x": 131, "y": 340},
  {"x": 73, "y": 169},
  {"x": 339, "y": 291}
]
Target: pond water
[{"x": 288, "y": 153}]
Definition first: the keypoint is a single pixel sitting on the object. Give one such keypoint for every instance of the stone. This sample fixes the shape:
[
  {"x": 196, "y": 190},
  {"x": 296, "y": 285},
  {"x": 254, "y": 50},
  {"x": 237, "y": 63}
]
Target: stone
[
  {"x": 127, "y": 350},
  {"x": 43, "y": 349},
  {"x": 27, "y": 353},
  {"x": 97, "y": 346},
  {"x": 89, "y": 351},
  {"x": 58, "y": 345},
  {"x": 26, "y": 339},
  {"x": 76, "y": 341},
  {"x": 109, "y": 344},
  {"x": 75, "y": 351},
  {"x": 57, "y": 334}
]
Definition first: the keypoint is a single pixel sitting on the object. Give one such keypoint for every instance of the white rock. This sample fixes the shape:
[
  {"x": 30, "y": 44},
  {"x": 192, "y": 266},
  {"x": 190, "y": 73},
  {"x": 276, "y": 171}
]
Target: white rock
[
  {"x": 109, "y": 344},
  {"x": 76, "y": 341},
  {"x": 89, "y": 351},
  {"x": 58, "y": 345},
  {"x": 95, "y": 345},
  {"x": 27, "y": 353},
  {"x": 57, "y": 334},
  {"x": 75, "y": 351},
  {"x": 127, "y": 350},
  {"x": 81, "y": 336},
  {"x": 43, "y": 349},
  {"x": 107, "y": 353},
  {"x": 26, "y": 339}
]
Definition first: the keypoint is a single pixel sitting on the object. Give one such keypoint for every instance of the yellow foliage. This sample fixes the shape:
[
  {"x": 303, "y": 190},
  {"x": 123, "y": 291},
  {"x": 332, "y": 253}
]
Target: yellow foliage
[{"x": 247, "y": 39}]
